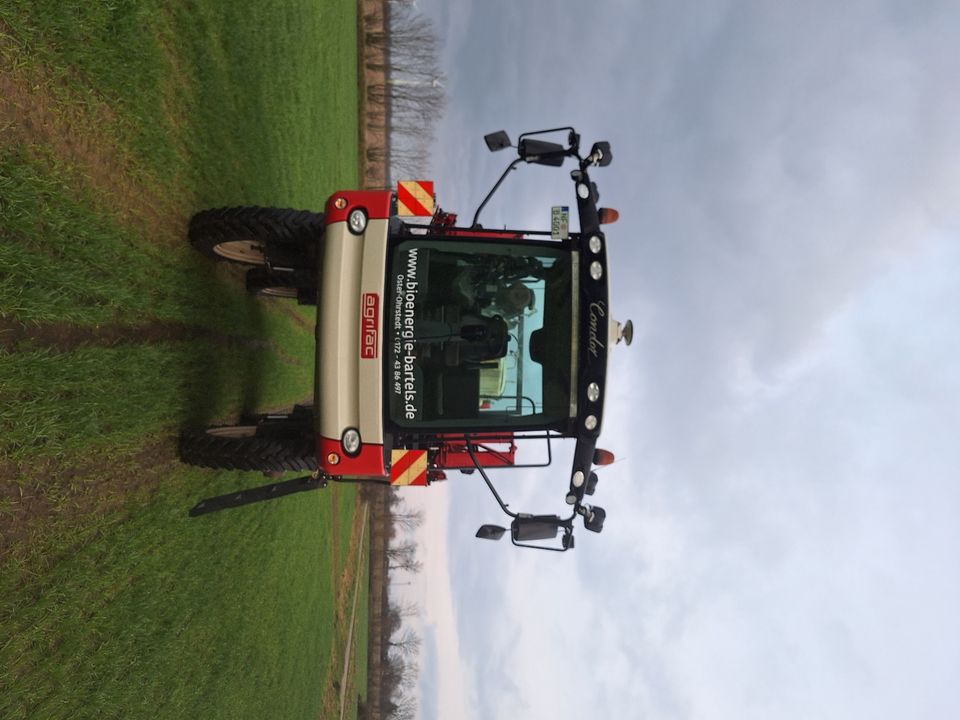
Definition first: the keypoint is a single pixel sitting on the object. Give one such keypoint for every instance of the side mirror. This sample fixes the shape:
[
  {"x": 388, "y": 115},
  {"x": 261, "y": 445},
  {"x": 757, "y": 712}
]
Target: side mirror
[
  {"x": 593, "y": 519},
  {"x": 490, "y": 532},
  {"x": 600, "y": 154},
  {"x": 497, "y": 141},
  {"x": 534, "y": 528},
  {"x": 542, "y": 152},
  {"x": 540, "y": 527}
]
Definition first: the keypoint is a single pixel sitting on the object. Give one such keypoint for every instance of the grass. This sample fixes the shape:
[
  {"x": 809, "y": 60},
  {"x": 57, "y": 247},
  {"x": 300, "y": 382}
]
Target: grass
[
  {"x": 61, "y": 404},
  {"x": 199, "y": 94},
  {"x": 130, "y": 627},
  {"x": 117, "y": 122},
  {"x": 65, "y": 260}
]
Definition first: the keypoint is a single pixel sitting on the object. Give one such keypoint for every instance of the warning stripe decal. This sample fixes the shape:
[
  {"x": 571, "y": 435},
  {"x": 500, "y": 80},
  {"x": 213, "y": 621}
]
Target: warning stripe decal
[
  {"x": 402, "y": 460},
  {"x": 415, "y": 198},
  {"x": 408, "y": 467}
]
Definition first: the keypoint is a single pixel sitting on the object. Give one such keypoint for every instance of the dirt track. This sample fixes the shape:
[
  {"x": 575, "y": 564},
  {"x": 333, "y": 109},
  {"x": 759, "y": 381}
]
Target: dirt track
[{"x": 353, "y": 612}]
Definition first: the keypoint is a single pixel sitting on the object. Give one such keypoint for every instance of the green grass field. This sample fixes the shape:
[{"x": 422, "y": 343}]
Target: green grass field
[{"x": 117, "y": 122}]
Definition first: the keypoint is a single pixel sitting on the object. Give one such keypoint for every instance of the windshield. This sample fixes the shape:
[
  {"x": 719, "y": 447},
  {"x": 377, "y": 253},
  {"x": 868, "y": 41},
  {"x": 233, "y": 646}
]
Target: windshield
[{"x": 480, "y": 334}]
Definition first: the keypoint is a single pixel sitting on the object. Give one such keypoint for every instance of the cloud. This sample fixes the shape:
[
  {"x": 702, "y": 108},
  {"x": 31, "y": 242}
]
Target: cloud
[
  {"x": 780, "y": 538},
  {"x": 445, "y": 680},
  {"x": 787, "y": 179}
]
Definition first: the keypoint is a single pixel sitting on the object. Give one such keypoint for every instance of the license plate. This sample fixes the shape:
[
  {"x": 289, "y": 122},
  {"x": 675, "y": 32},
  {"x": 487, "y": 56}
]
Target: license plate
[{"x": 560, "y": 222}]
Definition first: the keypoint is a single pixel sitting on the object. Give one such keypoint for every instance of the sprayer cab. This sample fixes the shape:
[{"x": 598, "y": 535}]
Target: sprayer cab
[{"x": 440, "y": 347}]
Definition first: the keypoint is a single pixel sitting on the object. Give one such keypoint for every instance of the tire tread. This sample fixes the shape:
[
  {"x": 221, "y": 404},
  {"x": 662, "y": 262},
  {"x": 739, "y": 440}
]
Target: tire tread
[
  {"x": 267, "y": 225},
  {"x": 266, "y": 454}
]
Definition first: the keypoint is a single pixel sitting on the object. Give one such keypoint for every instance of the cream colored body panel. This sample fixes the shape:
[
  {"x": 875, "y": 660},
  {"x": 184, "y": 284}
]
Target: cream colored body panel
[{"x": 350, "y": 388}]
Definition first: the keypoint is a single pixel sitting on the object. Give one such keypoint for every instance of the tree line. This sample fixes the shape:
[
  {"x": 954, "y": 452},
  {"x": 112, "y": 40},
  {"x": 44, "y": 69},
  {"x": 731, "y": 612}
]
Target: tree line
[
  {"x": 404, "y": 101},
  {"x": 402, "y": 46},
  {"x": 395, "y": 643}
]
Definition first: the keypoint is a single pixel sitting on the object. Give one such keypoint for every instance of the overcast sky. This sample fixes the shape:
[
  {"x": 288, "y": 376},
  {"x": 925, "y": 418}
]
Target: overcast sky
[{"x": 782, "y": 535}]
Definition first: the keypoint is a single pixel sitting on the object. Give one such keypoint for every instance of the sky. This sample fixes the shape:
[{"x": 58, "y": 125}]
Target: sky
[{"x": 782, "y": 526}]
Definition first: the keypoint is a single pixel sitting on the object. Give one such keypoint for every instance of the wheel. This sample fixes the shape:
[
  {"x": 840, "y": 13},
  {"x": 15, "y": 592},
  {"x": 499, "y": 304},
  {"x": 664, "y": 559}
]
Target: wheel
[
  {"x": 261, "y": 281},
  {"x": 248, "y": 447},
  {"x": 247, "y": 234}
]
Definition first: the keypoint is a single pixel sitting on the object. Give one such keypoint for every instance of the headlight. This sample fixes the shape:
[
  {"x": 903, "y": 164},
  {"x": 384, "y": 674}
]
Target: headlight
[
  {"x": 357, "y": 220},
  {"x": 351, "y": 441},
  {"x": 593, "y": 392}
]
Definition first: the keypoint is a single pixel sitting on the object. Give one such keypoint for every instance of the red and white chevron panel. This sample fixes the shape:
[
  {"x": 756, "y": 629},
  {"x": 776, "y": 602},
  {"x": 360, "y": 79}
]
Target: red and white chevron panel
[
  {"x": 415, "y": 198},
  {"x": 408, "y": 467}
]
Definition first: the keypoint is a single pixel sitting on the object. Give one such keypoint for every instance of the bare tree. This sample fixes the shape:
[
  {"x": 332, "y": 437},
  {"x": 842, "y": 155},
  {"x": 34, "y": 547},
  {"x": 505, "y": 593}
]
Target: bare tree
[
  {"x": 403, "y": 557},
  {"x": 406, "y": 643},
  {"x": 405, "y": 609},
  {"x": 400, "y": 671},
  {"x": 404, "y": 708},
  {"x": 406, "y": 519},
  {"x": 407, "y": 564},
  {"x": 399, "y": 675},
  {"x": 401, "y": 552},
  {"x": 406, "y": 48}
]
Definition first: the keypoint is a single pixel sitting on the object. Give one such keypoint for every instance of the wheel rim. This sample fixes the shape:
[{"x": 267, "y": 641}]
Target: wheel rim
[
  {"x": 233, "y": 431},
  {"x": 279, "y": 291},
  {"x": 244, "y": 251}
]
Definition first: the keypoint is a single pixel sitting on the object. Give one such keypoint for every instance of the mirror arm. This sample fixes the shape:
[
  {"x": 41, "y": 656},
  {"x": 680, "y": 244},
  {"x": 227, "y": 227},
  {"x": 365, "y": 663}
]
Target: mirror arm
[
  {"x": 483, "y": 474},
  {"x": 539, "y": 547},
  {"x": 503, "y": 177},
  {"x": 565, "y": 523},
  {"x": 573, "y": 138}
]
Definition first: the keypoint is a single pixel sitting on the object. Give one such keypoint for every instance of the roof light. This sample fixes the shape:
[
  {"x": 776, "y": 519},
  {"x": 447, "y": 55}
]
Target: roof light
[
  {"x": 608, "y": 216},
  {"x": 603, "y": 457}
]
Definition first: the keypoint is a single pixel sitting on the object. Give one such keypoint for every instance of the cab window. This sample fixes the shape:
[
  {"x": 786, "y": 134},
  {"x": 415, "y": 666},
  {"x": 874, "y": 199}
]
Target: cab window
[{"x": 479, "y": 335}]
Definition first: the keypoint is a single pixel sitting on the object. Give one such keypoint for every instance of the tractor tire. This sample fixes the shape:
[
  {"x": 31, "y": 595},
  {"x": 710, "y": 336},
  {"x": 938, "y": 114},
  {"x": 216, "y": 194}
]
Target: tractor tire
[
  {"x": 242, "y": 234},
  {"x": 239, "y": 447}
]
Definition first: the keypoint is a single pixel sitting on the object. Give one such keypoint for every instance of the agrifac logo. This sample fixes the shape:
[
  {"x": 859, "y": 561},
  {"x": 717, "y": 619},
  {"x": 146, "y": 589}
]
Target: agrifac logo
[{"x": 369, "y": 326}]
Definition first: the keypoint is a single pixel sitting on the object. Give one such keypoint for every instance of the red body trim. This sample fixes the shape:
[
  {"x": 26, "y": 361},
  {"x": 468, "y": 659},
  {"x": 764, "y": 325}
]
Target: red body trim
[
  {"x": 375, "y": 202},
  {"x": 460, "y": 232},
  {"x": 492, "y": 449},
  {"x": 369, "y": 461}
]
